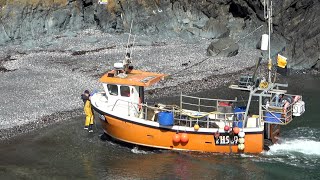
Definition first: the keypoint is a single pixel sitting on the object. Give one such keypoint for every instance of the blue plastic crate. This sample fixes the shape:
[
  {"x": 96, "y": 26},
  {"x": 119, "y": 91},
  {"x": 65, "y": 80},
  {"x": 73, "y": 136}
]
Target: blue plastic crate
[
  {"x": 272, "y": 117},
  {"x": 166, "y": 118}
]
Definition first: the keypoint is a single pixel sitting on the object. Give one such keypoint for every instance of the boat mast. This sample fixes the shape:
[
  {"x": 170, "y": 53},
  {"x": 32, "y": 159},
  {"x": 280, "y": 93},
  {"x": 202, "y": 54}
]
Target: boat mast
[
  {"x": 127, "y": 59},
  {"x": 269, "y": 16},
  {"x": 129, "y": 37}
]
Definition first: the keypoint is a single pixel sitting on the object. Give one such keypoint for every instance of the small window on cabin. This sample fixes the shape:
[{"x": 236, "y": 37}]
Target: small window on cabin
[
  {"x": 125, "y": 91},
  {"x": 113, "y": 89}
]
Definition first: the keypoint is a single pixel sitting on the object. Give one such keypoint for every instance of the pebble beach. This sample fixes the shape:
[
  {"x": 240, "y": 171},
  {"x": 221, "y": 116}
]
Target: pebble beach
[{"x": 42, "y": 80}]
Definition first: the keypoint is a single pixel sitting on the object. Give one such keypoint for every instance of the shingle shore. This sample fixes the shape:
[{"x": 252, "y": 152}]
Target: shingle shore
[{"x": 44, "y": 78}]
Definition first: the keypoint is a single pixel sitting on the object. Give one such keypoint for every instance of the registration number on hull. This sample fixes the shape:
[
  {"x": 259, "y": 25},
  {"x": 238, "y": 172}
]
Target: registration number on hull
[{"x": 226, "y": 139}]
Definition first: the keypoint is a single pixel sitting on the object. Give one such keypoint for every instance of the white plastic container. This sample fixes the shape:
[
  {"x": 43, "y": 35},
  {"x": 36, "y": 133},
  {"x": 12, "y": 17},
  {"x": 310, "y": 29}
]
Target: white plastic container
[
  {"x": 252, "y": 122},
  {"x": 298, "y": 108},
  {"x": 118, "y": 65},
  {"x": 264, "y": 42}
]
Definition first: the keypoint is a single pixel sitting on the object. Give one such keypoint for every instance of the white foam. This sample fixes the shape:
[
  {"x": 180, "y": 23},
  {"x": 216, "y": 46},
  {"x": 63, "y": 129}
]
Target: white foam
[
  {"x": 304, "y": 146},
  {"x": 247, "y": 155},
  {"x": 136, "y": 150}
]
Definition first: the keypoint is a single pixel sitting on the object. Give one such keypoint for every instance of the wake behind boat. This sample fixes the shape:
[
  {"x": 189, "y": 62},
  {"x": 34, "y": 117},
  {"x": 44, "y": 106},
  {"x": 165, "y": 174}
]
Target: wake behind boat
[{"x": 197, "y": 124}]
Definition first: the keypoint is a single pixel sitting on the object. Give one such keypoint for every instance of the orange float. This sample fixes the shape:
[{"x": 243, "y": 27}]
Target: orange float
[
  {"x": 184, "y": 138},
  {"x": 236, "y": 130},
  {"x": 176, "y": 138}
]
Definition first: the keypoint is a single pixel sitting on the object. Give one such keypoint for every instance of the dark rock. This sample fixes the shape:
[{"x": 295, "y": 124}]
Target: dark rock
[
  {"x": 2, "y": 61},
  {"x": 298, "y": 22},
  {"x": 3, "y": 35},
  {"x": 237, "y": 10},
  {"x": 58, "y": 20},
  {"x": 317, "y": 65},
  {"x": 223, "y": 47},
  {"x": 214, "y": 29},
  {"x": 295, "y": 21},
  {"x": 255, "y": 6},
  {"x": 186, "y": 64}
]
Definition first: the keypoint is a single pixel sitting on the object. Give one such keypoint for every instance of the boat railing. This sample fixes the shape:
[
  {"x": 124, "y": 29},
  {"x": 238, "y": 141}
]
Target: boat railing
[
  {"x": 129, "y": 107},
  {"x": 277, "y": 115},
  {"x": 282, "y": 114},
  {"x": 198, "y": 103},
  {"x": 209, "y": 120},
  {"x": 294, "y": 95},
  {"x": 187, "y": 118}
]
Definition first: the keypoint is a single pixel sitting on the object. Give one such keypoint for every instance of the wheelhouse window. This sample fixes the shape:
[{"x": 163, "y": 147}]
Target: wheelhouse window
[
  {"x": 113, "y": 89},
  {"x": 125, "y": 91}
]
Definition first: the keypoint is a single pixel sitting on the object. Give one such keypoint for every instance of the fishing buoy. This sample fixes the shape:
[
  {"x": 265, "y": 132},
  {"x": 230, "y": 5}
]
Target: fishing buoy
[
  {"x": 226, "y": 128},
  {"x": 241, "y": 134},
  {"x": 216, "y": 134},
  {"x": 264, "y": 42},
  {"x": 236, "y": 130},
  {"x": 241, "y": 140},
  {"x": 196, "y": 127},
  {"x": 241, "y": 147},
  {"x": 184, "y": 138},
  {"x": 176, "y": 138}
]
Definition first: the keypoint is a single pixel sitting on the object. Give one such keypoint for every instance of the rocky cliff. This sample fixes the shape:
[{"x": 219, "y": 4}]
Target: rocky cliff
[{"x": 296, "y": 31}]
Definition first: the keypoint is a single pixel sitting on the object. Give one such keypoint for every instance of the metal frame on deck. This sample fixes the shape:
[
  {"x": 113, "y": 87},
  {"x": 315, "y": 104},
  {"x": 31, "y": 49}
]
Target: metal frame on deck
[{"x": 272, "y": 88}]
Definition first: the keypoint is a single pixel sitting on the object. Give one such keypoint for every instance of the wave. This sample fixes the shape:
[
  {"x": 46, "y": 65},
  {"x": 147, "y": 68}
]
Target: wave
[
  {"x": 304, "y": 140},
  {"x": 300, "y": 145},
  {"x": 302, "y": 132},
  {"x": 136, "y": 150},
  {"x": 299, "y": 152}
]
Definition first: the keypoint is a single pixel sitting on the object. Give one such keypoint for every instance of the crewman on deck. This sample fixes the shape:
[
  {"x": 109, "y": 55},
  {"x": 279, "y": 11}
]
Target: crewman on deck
[{"x": 87, "y": 110}]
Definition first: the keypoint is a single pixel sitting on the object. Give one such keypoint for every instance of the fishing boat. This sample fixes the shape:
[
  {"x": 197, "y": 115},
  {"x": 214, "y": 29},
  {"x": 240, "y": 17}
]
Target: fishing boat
[{"x": 197, "y": 124}]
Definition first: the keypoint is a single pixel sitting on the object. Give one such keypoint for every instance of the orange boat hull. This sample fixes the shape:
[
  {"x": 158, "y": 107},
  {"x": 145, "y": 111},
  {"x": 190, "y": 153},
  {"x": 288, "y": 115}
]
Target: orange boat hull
[{"x": 162, "y": 138}]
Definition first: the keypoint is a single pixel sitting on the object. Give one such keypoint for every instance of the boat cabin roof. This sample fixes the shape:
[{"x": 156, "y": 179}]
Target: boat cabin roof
[{"x": 134, "y": 78}]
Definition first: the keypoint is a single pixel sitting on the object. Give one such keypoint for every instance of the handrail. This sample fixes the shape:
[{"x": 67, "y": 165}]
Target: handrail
[
  {"x": 128, "y": 105},
  {"x": 283, "y": 120},
  {"x": 205, "y": 120},
  {"x": 199, "y": 99},
  {"x": 208, "y": 113},
  {"x": 209, "y": 99},
  {"x": 197, "y": 105},
  {"x": 187, "y": 117}
]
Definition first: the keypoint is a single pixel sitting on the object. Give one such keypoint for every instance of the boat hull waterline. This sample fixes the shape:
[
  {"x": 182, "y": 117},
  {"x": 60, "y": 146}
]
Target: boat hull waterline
[{"x": 155, "y": 137}]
